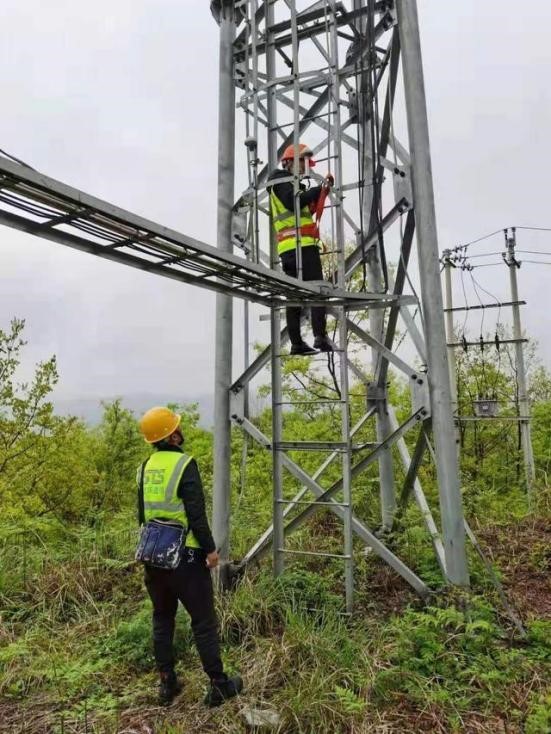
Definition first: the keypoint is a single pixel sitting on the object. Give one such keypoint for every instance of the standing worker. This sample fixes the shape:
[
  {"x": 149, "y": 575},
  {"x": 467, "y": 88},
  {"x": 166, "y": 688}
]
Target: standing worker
[
  {"x": 170, "y": 497},
  {"x": 282, "y": 207}
]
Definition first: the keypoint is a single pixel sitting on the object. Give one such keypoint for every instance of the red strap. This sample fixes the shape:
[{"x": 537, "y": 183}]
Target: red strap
[
  {"x": 321, "y": 204},
  {"x": 307, "y": 230}
]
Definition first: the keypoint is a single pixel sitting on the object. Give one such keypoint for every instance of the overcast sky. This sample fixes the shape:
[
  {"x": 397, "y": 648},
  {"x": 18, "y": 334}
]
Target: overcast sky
[{"x": 119, "y": 100}]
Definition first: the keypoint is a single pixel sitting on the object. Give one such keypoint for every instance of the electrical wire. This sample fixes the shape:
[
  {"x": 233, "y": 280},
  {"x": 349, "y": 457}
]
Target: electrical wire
[
  {"x": 488, "y": 265},
  {"x": 483, "y": 310},
  {"x": 487, "y": 254},
  {"x": 535, "y": 229},
  {"x": 488, "y": 294},
  {"x": 474, "y": 242},
  {"x": 464, "y": 246}
]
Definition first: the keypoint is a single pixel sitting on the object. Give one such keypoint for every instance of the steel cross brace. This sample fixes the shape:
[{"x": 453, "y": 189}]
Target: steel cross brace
[
  {"x": 325, "y": 495},
  {"x": 319, "y": 104},
  {"x": 345, "y": 18},
  {"x": 353, "y": 262},
  {"x": 411, "y": 482},
  {"x": 264, "y": 541},
  {"x": 376, "y": 344}
]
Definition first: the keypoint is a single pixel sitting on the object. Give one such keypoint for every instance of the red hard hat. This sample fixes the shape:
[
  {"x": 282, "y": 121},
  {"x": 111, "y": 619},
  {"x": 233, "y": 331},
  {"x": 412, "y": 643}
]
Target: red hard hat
[{"x": 303, "y": 152}]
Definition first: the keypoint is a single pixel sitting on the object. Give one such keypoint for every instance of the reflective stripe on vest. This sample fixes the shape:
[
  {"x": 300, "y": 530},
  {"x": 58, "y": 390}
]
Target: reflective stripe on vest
[
  {"x": 161, "y": 477},
  {"x": 285, "y": 226}
]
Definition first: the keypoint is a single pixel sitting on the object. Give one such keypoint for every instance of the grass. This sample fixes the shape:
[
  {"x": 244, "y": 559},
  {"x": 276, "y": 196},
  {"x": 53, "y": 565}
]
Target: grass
[{"x": 75, "y": 650}]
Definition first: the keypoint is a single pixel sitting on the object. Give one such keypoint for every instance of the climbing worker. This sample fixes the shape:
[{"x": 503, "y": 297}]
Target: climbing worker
[
  {"x": 282, "y": 206},
  {"x": 171, "y": 504}
]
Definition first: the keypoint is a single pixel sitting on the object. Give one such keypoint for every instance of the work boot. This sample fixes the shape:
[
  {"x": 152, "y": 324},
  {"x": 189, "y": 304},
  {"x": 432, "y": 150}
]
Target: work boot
[
  {"x": 222, "y": 689},
  {"x": 324, "y": 344},
  {"x": 169, "y": 688},
  {"x": 302, "y": 348}
]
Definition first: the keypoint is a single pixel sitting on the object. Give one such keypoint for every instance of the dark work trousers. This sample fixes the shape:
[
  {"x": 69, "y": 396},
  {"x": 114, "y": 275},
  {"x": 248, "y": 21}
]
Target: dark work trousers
[
  {"x": 311, "y": 270},
  {"x": 192, "y": 585}
]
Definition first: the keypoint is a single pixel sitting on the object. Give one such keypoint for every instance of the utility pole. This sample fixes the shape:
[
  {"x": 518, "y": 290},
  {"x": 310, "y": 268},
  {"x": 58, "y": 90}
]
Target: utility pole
[
  {"x": 431, "y": 296},
  {"x": 524, "y": 405},
  {"x": 224, "y": 303}
]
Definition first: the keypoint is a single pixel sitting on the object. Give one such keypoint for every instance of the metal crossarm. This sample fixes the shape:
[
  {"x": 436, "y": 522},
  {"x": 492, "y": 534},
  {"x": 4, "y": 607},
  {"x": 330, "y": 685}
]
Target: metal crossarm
[{"x": 40, "y": 205}]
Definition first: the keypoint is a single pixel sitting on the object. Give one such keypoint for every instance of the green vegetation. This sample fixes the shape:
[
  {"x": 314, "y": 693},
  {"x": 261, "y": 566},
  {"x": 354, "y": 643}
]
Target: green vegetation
[{"x": 75, "y": 650}]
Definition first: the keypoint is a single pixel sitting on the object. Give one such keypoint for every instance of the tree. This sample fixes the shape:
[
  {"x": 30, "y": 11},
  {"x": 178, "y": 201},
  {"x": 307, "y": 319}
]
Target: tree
[
  {"x": 116, "y": 449},
  {"x": 25, "y": 412}
]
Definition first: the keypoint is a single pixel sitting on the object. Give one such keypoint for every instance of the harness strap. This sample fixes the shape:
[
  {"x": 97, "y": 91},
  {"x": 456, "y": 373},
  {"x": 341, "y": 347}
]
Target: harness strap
[{"x": 306, "y": 230}]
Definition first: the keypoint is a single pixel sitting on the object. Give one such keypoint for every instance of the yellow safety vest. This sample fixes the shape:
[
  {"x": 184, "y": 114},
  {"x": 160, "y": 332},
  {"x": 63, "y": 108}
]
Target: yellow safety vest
[
  {"x": 285, "y": 226},
  {"x": 161, "y": 477}
]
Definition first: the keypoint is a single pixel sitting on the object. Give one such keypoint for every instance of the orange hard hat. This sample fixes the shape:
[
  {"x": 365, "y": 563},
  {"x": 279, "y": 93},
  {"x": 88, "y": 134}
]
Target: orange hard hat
[
  {"x": 303, "y": 152},
  {"x": 158, "y": 423}
]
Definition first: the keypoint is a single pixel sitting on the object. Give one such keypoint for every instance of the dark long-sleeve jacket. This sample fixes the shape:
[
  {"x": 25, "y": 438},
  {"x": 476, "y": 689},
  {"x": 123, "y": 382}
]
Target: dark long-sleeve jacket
[
  {"x": 285, "y": 192},
  {"x": 190, "y": 491}
]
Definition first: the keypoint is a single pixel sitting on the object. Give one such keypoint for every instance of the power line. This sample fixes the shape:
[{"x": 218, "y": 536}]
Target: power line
[
  {"x": 536, "y": 229},
  {"x": 487, "y": 265},
  {"x": 533, "y": 252},
  {"x": 487, "y": 254},
  {"x": 498, "y": 231},
  {"x": 480, "y": 239}
]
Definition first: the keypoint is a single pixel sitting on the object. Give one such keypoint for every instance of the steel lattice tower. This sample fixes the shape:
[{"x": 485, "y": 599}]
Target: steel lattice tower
[
  {"x": 333, "y": 72},
  {"x": 328, "y": 73}
]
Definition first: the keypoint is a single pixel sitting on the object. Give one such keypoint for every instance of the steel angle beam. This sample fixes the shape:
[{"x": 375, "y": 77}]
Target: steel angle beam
[
  {"x": 356, "y": 257},
  {"x": 362, "y": 465},
  {"x": 411, "y": 326},
  {"x": 263, "y": 543},
  {"x": 318, "y": 27},
  {"x": 366, "y": 535},
  {"x": 386, "y": 128},
  {"x": 319, "y": 121},
  {"x": 322, "y": 496},
  {"x": 411, "y": 466},
  {"x": 381, "y": 349},
  {"x": 303, "y": 477},
  {"x": 319, "y": 104},
  {"x": 401, "y": 275},
  {"x": 263, "y": 359}
]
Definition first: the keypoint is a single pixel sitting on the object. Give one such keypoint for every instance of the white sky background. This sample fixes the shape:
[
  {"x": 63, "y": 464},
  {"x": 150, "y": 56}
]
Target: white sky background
[{"x": 120, "y": 100}]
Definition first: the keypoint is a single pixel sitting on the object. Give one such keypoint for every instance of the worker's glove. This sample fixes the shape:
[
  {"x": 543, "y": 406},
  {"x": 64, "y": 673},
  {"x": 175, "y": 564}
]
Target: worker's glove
[{"x": 329, "y": 180}]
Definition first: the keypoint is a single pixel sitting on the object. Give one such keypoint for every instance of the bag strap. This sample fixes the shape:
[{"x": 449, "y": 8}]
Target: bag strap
[{"x": 141, "y": 502}]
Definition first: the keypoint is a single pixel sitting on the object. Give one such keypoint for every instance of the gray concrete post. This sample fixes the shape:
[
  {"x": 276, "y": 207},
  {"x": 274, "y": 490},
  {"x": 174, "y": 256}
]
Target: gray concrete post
[{"x": 524, "y": 403}]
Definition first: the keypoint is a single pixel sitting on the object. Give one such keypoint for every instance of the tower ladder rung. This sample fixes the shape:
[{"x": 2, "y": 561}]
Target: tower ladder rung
[
  {"x": 314, "y": 553},
  {"x": 313, "y": 502},
  {"x": 310, "y": 446}
]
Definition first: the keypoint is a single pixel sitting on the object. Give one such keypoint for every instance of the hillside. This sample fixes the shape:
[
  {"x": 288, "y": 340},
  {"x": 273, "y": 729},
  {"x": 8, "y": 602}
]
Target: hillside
[{"x": 75, "y": 625}]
